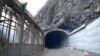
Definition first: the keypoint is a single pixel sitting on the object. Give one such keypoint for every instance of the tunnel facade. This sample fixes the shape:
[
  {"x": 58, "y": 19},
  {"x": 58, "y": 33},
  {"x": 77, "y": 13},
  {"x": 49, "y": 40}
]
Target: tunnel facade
[{"x": 55, "y": 39}]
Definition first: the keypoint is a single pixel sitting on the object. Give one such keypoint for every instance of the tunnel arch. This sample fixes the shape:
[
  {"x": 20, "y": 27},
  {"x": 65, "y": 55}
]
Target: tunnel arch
[{"x": 54, "y": 39}]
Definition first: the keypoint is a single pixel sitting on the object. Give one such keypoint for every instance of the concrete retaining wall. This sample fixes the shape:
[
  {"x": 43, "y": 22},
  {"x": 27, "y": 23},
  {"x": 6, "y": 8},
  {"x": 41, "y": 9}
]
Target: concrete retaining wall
[
  {"x": 88, "y": 38},
  {"x": 17, "y": 50}
]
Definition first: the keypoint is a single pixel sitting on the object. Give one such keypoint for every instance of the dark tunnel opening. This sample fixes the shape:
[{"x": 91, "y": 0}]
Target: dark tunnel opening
[{"x": 55, "y": 39}]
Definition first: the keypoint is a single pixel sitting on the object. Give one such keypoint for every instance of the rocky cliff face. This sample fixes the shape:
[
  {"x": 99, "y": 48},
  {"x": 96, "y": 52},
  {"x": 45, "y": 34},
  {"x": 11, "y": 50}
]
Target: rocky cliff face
[{"x": 67, "y": 14}]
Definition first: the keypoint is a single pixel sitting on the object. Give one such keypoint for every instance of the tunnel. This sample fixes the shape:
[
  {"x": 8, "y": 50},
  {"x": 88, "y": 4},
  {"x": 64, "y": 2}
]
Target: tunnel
[{"x": 55, "y": 39}]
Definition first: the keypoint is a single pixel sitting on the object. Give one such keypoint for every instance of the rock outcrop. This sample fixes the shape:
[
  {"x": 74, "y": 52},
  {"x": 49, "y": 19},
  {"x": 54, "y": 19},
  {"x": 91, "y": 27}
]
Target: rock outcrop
[{"x": 67, "y": 14}]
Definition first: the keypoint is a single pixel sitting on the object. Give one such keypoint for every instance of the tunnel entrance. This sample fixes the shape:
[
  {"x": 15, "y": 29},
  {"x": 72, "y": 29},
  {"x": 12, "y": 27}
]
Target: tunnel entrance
[{"x": 55, "y": 39}]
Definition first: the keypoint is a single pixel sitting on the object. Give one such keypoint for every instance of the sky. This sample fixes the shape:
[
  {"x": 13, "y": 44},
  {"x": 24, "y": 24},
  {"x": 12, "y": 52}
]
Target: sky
[{"x": 34, "y": 6}]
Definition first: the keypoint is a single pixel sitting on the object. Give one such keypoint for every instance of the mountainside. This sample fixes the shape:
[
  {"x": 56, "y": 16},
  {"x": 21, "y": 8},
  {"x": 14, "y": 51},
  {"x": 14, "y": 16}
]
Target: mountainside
[{"x": 67, "y": 14}]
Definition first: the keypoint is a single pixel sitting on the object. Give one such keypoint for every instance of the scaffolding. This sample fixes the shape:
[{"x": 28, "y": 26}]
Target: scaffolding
[{"x": 19, "y": 34}]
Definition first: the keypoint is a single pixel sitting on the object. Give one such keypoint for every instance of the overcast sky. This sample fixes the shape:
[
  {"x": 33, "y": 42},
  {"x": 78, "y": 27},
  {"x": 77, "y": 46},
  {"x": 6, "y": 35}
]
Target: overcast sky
[{"x": 34, "y": 5}]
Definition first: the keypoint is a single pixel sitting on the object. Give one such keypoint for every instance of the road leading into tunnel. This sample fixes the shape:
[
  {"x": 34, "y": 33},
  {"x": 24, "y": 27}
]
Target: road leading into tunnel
[{"x": 67, "y": 52}]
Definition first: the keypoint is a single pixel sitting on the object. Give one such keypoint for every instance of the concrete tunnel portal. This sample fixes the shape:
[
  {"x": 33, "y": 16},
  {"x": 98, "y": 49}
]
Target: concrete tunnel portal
[{"x": 55, "y": 39}]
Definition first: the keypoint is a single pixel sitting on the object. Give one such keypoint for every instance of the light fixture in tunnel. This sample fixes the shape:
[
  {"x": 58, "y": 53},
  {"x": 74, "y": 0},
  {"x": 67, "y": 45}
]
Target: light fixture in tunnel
[{"x": 55, "y": 39}]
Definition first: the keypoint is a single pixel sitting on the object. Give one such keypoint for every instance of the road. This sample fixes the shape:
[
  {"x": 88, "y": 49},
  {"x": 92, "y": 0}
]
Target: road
[{"x": 67, "y": 52}]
